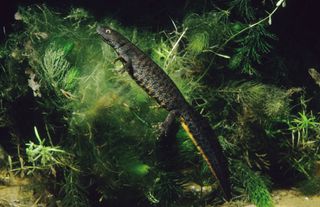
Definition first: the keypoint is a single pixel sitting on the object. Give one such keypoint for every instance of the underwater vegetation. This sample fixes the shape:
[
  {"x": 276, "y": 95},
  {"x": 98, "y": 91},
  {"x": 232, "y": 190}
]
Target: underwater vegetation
[{"x": 89, "y": 134}]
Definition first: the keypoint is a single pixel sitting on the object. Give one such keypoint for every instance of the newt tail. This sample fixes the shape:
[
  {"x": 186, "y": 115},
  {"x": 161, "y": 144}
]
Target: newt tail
[{"x": 159, "y": 85}]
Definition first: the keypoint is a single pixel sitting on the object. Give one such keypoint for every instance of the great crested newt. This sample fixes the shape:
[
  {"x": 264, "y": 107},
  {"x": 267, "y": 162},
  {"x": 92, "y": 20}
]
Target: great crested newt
[{"x": 160, "y": 86}]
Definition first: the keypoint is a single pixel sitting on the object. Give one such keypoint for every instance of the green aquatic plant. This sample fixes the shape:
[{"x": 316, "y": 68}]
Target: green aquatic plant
[
  {"x": 77, "y": 16},
  {"x": 44, "y": 157},
  {"x": 249, "y": 120},
  {"x": 244, "y": 8},
  {"x": 165, "y": 190},
  {"x": 55, "y": 65},
  {"x": 72, "y": 192},
  {"x": 198, "y": 42},
  {"x": 251, "y": 49},
  {"x": 206, "y": 31},
  {"x": 253, "y": 46},
  {"x": 300, "y": 126},
  {"x": 253, "y": 184},
  {"x": 53, "y": 159},
  {"x": 56, "y": 70},
  {"x": 259, "y": 101},
  {"x": 303, "y": 148}
]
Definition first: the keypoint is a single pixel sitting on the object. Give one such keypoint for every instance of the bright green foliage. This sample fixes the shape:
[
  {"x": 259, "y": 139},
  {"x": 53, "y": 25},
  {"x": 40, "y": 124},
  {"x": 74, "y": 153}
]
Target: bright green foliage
[
  {"x": 55, "y": 65},
  {"x": 69, "y": 80},
  {"x": 207, "y": 31},
  {"x": 303, "y": 147},
  {"x": 253, "y": 184},
  {"x": 40, "y": 152},
  {"x": 56, "y": 69},
  {"x": 198, "y": 42},
  {"x": 139, "y": 169},
  {"x": 45, "y": 157},
  {"x": 133, "y": 166},
  {"x": 300, "y": 127}
]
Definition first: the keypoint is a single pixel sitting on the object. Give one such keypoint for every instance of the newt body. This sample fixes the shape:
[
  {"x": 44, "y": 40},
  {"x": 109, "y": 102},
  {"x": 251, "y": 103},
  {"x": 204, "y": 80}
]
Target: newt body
[{"x": 159, "y": 85}]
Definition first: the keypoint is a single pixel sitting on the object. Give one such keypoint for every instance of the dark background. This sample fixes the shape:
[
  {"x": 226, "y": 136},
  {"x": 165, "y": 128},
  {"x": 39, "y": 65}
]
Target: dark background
[{"x": 296, "y": 26}]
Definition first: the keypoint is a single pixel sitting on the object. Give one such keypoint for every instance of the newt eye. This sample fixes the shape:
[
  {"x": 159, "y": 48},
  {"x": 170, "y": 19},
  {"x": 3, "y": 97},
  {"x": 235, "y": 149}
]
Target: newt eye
[{"x": 108, "y": 31}]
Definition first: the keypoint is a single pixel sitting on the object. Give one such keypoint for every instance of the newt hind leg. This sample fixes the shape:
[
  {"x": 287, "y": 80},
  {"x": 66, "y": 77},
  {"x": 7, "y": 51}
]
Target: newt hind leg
[
  {"x": 167, "y": 146},
  {"x": 169, "y": 127}
]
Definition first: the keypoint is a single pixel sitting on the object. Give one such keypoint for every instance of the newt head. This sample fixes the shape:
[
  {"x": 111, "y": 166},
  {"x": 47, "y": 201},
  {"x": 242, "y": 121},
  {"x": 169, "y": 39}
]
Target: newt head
[{"x": 111, "y": 37}]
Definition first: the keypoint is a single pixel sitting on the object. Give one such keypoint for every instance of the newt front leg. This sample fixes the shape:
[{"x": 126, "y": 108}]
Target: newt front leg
[{"x": 127, "y": 65}]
